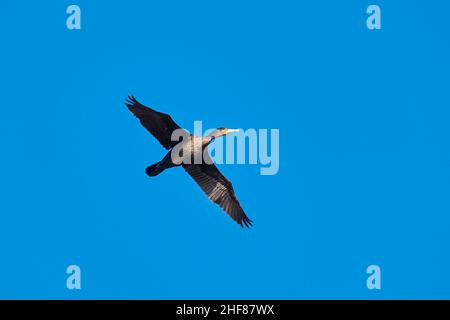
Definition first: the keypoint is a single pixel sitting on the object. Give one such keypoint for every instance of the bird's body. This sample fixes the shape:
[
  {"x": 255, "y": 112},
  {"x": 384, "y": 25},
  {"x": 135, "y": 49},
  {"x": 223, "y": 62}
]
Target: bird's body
[
  {"x": 190, "y": 148},
  {"x": 190, "y": 152}
]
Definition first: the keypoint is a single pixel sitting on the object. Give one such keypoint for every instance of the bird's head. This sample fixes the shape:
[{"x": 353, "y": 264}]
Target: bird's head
[{"x": 221, "y": 132}]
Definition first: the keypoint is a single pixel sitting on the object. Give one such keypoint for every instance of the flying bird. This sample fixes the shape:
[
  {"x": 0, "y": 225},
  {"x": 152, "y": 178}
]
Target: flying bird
[{"x": 204, "y": 172}]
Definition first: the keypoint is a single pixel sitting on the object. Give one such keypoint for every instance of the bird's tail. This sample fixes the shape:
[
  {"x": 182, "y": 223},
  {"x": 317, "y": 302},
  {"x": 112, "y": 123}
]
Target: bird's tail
[{"x": 155, "y": 169}]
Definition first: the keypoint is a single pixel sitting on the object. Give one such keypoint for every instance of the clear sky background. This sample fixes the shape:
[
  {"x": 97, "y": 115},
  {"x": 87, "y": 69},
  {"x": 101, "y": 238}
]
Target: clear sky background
[{"x": 364, "y": 149}]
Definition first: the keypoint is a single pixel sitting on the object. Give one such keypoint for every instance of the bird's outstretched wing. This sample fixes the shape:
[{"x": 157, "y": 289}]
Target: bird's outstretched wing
[
  {"x": 159, "y": 124},
  {"x": 218, "y": 189}
]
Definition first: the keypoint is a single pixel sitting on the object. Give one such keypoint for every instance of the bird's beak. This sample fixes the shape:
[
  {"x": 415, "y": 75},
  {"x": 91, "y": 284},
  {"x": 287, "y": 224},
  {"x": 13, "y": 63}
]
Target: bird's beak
[{"x": 232, "y": 130}]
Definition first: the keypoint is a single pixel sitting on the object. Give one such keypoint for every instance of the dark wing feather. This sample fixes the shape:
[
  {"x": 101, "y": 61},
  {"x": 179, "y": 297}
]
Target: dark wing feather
[
  {"x": 159, "y": 124},
  {"x": 218, "y": 189}
]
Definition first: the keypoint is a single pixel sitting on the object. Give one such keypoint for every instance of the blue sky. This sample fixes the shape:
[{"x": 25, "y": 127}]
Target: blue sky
[{"x": 364, "y": 149}]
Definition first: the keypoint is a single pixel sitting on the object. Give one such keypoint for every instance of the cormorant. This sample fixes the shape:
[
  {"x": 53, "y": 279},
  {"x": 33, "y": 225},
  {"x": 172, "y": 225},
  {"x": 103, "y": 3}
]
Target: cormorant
[{"x": 208, "y": 177}]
